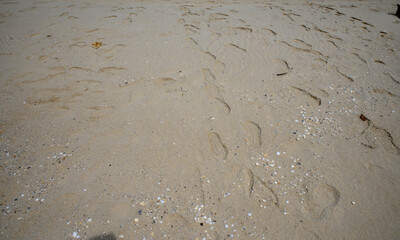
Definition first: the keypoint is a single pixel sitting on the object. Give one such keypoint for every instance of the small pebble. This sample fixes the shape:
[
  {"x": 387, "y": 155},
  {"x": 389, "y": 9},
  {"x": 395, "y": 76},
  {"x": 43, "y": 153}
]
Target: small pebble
[{"x": 75, "y": 235}]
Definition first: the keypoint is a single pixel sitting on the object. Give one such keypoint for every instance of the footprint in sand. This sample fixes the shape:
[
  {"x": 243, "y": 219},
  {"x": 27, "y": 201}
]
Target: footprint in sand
[
  {"x": 247, "y": 181},
  {"x": 316, "y": 101},
  {"x": 376, "y": 137},
  {"x": 255, "y": 189},
  {"x": 234, "y": 46},
  {"x": 169, "y": 84},
  {"x": 319, "y": 200},
  {"x": 280, "y": 67},
  {"x": 222, "y": 105},
  {"x": 208, "y": 76},
  {"x": 253, "y": 132},
  {"x": 218, "y": 148},
  {"x": 303, "y": 233},
  {"x": 218, "y": 65},
  {"x": 214, "y": 93},
  {"x": 179, "y": 227},
  {"x": 122, "y": 212},
  {"x": 178, "y": 221},
  {"x": 111, "y": 70}
]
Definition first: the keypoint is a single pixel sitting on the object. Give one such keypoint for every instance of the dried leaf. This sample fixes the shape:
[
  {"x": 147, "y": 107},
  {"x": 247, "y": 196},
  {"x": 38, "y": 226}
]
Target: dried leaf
[
  {"x": 364, "y": 118},
  {"x": 96, "y": 44}
]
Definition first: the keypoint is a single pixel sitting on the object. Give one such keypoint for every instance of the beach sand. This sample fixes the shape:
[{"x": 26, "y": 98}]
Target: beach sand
[{"x": 199, "y": 119}]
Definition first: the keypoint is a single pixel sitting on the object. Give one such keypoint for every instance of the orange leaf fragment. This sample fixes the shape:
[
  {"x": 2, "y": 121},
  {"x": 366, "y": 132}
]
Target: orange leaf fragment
[
  {"x": 364, "y": 118},
  {"x": 96, "y": 44}
]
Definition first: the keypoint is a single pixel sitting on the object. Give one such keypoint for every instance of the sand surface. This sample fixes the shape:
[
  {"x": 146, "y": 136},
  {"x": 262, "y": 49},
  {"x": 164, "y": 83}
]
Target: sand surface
[{"x": 199, "y": 119}]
